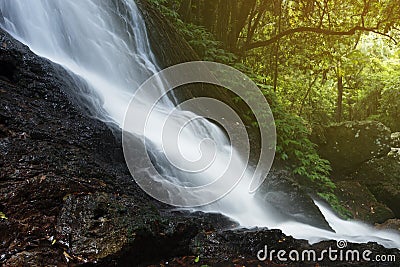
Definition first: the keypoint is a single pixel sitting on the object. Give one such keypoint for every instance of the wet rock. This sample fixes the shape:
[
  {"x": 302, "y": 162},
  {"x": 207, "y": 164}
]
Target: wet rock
[
  {"x": 49, "y": 150},
  {"x": 106, "y": 228},
  {"x": 210, "y": 221},
  {"x": 35, "y": 256},
  {"x": 392, "y": 224},
  {"x": 93, "y": 226},
  {"x": 349, "y": 144},
  {"x": 243, "y": 243},
  {"x": 363, "y": 205},
  {"x": 281, "y": 191},
  {"x": 382, "y": 178},
  {"x": 240, "y": 248}
]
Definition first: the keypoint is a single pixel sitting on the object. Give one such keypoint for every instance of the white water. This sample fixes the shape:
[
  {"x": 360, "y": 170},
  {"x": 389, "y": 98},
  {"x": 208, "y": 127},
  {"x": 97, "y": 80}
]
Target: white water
[{"x": 105, "y": 43}]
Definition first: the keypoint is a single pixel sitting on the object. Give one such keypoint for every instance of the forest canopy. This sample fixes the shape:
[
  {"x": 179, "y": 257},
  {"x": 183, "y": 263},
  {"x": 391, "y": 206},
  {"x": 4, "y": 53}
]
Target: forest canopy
[{"x": 325, "y": 59}]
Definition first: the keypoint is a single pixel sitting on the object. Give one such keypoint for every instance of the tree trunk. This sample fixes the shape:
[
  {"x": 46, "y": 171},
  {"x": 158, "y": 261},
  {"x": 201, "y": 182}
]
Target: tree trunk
[
  {"x": 185, "y": 10},
  {"x": 209, "y": 14},
  {"x": 339, "y": 104},
  {"x": 277, "y": 46},
  {"x": 222, "y": 28}
]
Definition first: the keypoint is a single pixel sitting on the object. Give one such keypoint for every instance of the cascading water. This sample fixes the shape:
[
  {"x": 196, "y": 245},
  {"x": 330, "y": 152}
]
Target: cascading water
[{"x": 105, "y": 43}]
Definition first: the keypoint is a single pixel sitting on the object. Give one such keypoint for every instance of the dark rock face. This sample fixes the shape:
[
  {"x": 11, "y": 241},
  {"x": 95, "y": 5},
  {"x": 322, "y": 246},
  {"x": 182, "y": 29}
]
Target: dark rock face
[
  {"x": 168, "y": 46},
  {"x": 112, "y": 229},
  {"x": 349, "y": 144},
  {"x": 281, "y": 191},
  {"x": 372, "y": 191},
  {"x": 365, "y": 170},
  {"x": 48, "y": 150},
  {"x": 392, "y": 224},
  {"x": 382, "y": 178},
  {"x": 367, "y": 178},
  {"x": 240, "y": 248},
  {"x": 359, "y": 200}
]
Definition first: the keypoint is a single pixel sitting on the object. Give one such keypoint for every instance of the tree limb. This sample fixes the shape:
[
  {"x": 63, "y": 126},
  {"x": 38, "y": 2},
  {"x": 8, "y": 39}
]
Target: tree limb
[{"x": 349, "y": 32}]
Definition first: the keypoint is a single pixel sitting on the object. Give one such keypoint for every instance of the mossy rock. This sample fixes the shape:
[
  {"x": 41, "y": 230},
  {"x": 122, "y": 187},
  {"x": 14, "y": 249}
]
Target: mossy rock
[
  {"x": 382, "y": 177},
  {"x": 362, "y": 203},
  {"x": 349, "y": 144},
  {"x": 290, "y": 200}
]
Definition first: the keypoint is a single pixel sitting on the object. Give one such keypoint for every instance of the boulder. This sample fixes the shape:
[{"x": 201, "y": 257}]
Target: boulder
[
  {"x": 362, "y": 204},
  {"x": 382, "y": 178},
  {"x": 281, "y": 191},
  {"x": 349, "y": 144},
  {"x": 392, "y": 224}
]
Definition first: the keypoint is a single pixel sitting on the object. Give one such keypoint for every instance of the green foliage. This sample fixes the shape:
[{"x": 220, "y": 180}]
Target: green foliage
[
  {"x": 378, "y": 96},
  {"x": 293, "y": 143},
  {"x": 306, "y": 87},
  {"x": 295, "y": 147},
  {"x": 205, "y": 45},
  {"x": 389, "y": 112}
]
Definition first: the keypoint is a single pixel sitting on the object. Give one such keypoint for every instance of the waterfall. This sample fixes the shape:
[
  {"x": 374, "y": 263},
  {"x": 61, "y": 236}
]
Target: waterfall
[{"x": 104, "y": 42}]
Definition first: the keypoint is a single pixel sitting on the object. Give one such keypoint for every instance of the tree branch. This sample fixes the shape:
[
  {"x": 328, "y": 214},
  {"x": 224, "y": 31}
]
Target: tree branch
[{"x": 349, "y": 32}]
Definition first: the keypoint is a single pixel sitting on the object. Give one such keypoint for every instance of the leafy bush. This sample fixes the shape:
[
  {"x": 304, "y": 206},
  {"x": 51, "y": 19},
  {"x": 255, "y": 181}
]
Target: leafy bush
[
  {"x": 293, "y": 143},
  {"x": 389, "y": 112},
  {"x": 295, "y": 147}
]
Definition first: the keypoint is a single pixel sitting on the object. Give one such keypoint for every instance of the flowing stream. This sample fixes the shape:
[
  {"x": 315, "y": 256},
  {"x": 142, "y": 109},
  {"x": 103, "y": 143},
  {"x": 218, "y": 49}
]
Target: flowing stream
[{"x": 105, "y": 43}]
